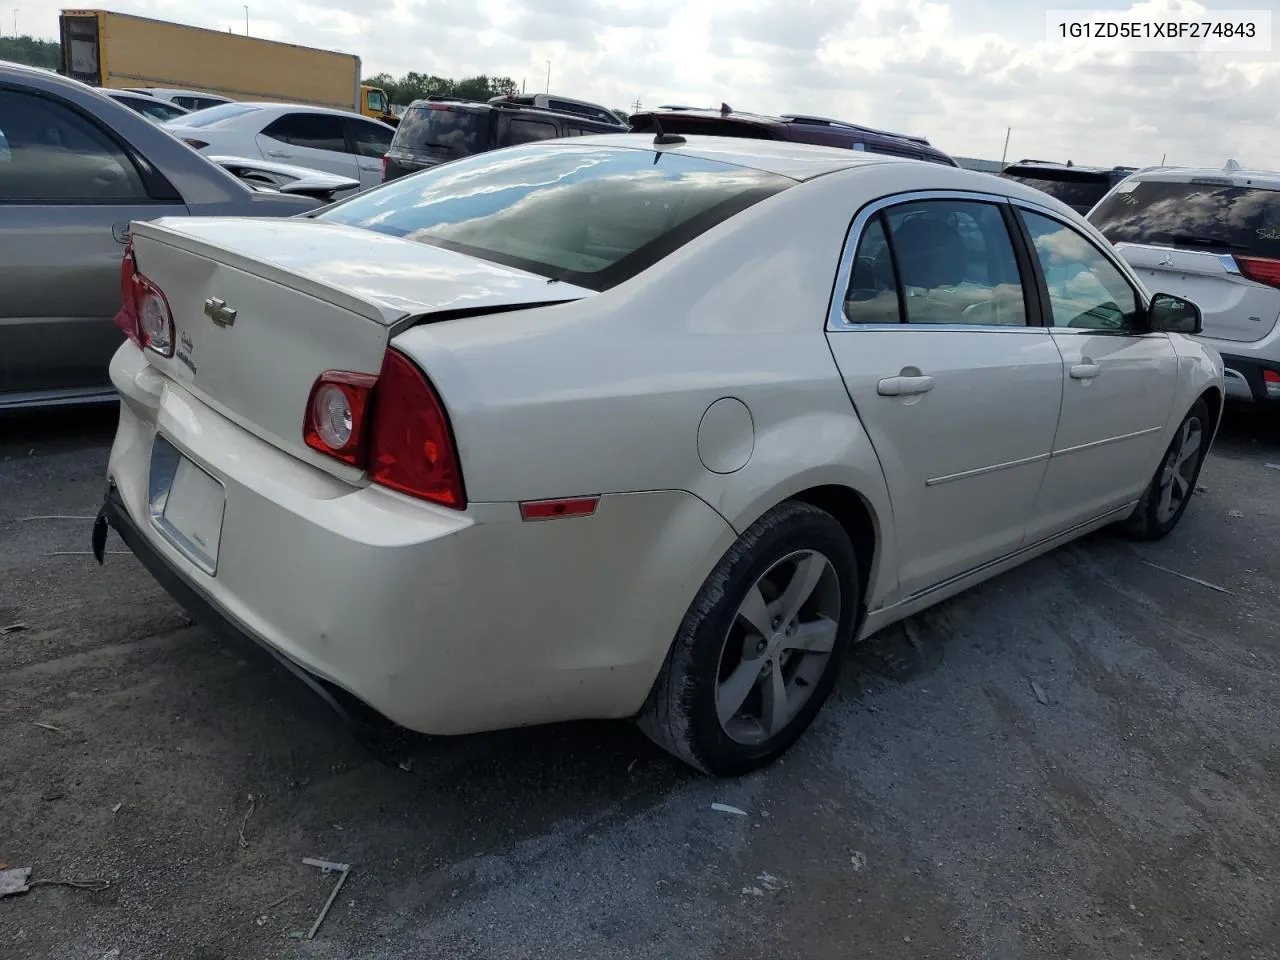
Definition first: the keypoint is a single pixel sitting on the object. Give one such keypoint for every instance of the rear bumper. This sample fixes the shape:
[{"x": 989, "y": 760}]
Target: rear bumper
[
  {"x": 204, "y": 609},
  {"x": 442, "y": 622},
  {"x": 1245, "y": 382}
]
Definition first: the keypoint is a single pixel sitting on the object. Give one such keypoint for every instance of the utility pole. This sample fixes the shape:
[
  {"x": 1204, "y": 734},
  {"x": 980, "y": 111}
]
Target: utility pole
[
  {"x": 246, "y": 20},
  {"x": 522, "y": 86},
  {"x": 635, "y": 105},
  {"x": 548, "y": 76},
  {"x": 1004, "y": 153}
]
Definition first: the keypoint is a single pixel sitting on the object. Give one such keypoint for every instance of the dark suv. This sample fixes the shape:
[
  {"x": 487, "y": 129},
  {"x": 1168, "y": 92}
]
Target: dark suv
[
  {"x": 438, "y": 129},
  {"x": 795, "y": 127},
  {"x": 1080, "y": 188}
]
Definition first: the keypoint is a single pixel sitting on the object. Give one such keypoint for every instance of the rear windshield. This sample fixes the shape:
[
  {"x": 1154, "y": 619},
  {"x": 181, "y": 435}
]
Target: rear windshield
[
  {"x": 443, "y": 131},
  {"x": 1077, "y": 190},
  {"x": 588, "y": 215},
  {"x": 1205, "y": 215},
  {"x": 223, "y": 111}
]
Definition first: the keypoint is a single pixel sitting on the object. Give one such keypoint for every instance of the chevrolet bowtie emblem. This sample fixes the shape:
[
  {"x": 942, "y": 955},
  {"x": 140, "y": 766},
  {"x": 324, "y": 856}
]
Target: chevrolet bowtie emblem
[{"x": 218, "y": 311}]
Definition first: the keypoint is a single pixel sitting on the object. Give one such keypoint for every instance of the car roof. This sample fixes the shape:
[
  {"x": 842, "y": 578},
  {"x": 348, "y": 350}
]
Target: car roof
[
  {"x": 1235, "y": 174},
  {"x": 508, "y": 105},
  {"x": 1065, "y": 167},
  {"x": 179, "y": 92},
  {"x": 799, "y": 161},
  {"x": 801, "y": 126}
]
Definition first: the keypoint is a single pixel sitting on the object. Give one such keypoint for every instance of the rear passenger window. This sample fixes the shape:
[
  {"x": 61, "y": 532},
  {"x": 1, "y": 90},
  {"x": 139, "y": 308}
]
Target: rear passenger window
[
  {"x": 955, "y": 263},
  {"x": 315, "y": 131},
  {"x": 873, "y": 286},
  {"x": 526, "y": 131}
]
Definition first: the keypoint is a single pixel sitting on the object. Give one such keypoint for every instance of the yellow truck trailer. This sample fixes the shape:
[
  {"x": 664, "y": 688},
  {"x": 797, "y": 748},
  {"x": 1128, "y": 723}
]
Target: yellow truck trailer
[{"x": 118, "y": 50}]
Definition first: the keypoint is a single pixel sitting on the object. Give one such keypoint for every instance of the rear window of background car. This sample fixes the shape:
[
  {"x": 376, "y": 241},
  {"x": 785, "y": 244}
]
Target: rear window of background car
[
  {"x": 1070, "y": 189},
  {"x": 1240, "y": 219},
  {"x": 442, "y": 130},
  {"x": 593, "y": 216}
]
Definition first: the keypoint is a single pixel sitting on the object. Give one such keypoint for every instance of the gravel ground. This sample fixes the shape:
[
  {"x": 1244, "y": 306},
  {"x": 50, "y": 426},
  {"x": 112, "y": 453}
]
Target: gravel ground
[{"x": 1078, "y": 759}]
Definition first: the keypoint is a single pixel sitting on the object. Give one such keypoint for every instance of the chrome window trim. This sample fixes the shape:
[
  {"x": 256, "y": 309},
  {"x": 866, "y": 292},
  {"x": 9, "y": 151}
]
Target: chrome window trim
[{"x": 836, "y": 321}]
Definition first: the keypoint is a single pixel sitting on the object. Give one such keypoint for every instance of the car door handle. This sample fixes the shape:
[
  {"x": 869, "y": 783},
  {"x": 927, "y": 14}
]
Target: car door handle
[
  {"x": 120, "y": 231},
  {"x": 1085, "y": 370},
  {"x": 904, "y": 386},
  {"x": 279, "y": 154}
]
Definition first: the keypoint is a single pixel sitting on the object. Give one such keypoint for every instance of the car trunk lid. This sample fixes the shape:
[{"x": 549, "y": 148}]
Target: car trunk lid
[{"x": 261, "y": 308}]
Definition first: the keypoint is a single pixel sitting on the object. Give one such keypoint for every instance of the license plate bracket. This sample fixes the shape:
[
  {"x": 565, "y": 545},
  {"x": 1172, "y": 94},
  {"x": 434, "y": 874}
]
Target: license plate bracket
[{"x": 186, "y": 505}]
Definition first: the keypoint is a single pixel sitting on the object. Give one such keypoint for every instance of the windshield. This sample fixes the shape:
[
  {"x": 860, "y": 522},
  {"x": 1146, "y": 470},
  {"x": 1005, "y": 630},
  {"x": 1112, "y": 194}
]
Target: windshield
[
  {"x": 211, "y": 115},
  {"x": 443, "y": 130},
  {"x": 1073, "y": 190},
  {"x": 591, "y": 216},
  {"x": 1204, "y": 215}
]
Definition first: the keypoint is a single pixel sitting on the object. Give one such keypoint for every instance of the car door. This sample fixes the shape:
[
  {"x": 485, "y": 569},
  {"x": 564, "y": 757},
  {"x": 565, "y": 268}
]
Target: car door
[
  {"x": 68, "y": 190},
  {"x": 935, "y": 333},
  {"x": 314, "y": 140},
  {"x": 1120, "y": 379},
  {"x": 369, "y": 141}
]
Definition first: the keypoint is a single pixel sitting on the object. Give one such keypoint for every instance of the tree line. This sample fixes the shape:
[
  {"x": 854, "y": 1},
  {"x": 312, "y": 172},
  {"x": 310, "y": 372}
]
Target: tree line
[
  {"x": 29, "y": 50},
  {"x": 416, "y": 86}
]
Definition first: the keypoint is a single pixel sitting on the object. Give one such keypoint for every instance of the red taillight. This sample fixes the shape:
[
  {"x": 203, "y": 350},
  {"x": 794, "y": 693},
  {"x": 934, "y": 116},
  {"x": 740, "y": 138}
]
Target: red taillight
[
  {"x": 411, "y": 448},
  {"x": 384, "y": 166},
  {"x": 194, "y": 144},
  {"x": 1260, "y": 269},
  {"x": 392, "y": 425},
  {"x": 336, "y": 413},
  {"x": 144, "y": 314}
]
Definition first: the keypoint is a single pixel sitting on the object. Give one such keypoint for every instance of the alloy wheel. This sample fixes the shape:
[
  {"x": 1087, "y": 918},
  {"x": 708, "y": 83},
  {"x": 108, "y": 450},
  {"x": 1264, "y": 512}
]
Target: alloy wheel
[{"x": 778, "y": 646}]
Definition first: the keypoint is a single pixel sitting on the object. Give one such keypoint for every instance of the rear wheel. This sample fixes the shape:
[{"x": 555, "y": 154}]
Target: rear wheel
[
  {"x": 1170, "y": 491},
  {"x": 761, "y": 646}
]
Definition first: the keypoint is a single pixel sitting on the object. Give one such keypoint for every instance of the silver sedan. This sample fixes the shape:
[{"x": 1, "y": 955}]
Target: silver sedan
[{"x": 76, "y": 168}]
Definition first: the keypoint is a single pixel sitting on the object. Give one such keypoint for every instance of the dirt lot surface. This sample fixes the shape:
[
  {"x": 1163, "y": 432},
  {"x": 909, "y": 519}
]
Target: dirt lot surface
[{"x": 1079, "y": 759}]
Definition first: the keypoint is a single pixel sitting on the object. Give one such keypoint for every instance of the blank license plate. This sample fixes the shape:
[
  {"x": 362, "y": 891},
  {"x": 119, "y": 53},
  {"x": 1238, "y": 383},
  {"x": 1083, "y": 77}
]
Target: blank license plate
[{"x": 188, "y": 509}]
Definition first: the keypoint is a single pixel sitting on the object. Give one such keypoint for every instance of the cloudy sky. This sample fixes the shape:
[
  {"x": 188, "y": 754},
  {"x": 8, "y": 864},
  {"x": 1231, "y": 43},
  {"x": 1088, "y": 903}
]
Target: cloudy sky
[{"x": 959, "y": 72}]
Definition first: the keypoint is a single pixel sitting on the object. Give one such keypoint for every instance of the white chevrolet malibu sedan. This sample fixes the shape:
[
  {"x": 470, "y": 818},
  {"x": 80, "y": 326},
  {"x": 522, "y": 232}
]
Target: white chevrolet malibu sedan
[{"x": 636, "y": 427}]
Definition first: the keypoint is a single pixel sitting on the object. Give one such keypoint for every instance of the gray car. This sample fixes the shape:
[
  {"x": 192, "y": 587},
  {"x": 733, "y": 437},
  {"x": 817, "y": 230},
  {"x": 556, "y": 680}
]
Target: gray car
[{"x": 75, "y": 168}]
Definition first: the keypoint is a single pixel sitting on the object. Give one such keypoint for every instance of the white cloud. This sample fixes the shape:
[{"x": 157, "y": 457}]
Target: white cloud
[{"x": 958, "y": 72}]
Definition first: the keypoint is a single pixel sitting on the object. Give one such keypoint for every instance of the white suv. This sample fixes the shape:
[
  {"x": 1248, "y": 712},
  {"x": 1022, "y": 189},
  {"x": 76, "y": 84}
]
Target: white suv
[{"x": 1212, "y": 236}]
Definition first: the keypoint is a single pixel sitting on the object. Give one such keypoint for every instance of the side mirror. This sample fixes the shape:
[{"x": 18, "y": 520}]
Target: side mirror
[{"x": 1170, "y": 314}]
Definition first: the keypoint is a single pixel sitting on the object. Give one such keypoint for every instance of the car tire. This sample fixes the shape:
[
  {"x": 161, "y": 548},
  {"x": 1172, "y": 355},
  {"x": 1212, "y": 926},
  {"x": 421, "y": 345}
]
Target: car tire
[
  {"x": 794, "y": 552},
  {"x": 1166, "y": 498}
]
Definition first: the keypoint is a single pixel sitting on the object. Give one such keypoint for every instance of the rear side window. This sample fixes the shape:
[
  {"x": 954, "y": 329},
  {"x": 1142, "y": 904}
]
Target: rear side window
[
  {"x": 944, "y": 261},
  {"x": 314, "y": 131},
  {"x": 591, "y": 216},
  {"x": 371, "y": 139},
  {"x": 440, "y": 130},
  {"x": 1079, "y": 191},
  {"x": 525, "y": 131},
  {"x": 1211, "y": 216}
]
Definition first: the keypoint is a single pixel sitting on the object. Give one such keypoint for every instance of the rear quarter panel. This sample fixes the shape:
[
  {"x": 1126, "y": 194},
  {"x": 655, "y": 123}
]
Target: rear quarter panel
[{"x": 607, "y": 395}]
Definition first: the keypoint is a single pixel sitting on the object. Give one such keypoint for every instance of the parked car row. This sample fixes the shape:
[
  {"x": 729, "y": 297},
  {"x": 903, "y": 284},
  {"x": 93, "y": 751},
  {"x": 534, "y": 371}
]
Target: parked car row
[{"x": 440, "y": 129}]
